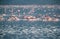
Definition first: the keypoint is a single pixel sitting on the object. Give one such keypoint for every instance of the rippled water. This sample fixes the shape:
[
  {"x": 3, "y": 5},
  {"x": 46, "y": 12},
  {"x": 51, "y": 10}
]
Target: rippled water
[{"x": 30, "y": 29}]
